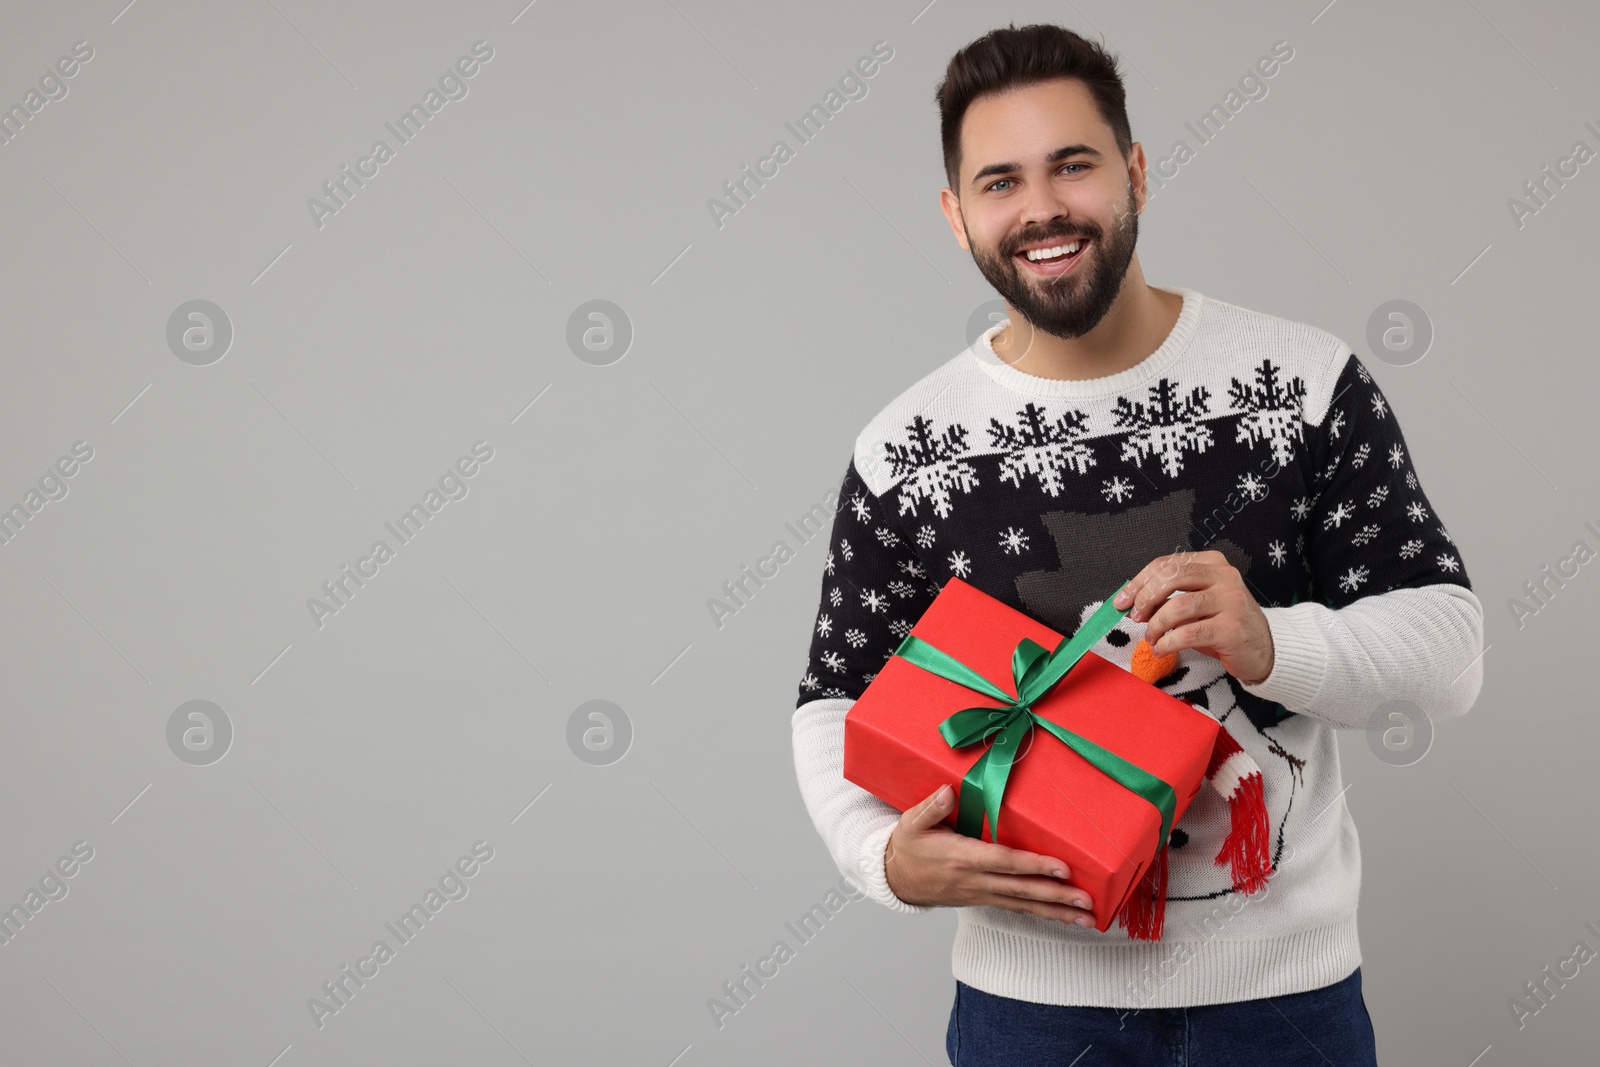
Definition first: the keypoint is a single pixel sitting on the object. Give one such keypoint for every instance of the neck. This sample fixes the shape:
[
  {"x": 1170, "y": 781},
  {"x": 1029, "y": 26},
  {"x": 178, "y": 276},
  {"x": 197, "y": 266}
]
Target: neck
[{"x": 1139, "y": 320}]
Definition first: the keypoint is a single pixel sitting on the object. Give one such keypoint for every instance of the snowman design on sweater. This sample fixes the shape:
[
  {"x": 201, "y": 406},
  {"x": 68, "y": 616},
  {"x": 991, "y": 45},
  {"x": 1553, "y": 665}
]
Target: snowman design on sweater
[
  {"x": 1247, "y": 748},
  {"x": 1271, "y": 444}
]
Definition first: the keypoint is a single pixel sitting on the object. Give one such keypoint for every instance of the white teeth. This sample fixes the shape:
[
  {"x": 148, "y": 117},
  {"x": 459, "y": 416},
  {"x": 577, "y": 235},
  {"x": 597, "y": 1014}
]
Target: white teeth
[{"x": 1036, "y": 254}]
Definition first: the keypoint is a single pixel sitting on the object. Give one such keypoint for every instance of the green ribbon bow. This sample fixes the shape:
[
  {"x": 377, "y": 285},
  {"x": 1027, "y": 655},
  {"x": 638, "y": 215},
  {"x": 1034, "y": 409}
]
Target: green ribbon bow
[{"x": 1034, "y": 671}]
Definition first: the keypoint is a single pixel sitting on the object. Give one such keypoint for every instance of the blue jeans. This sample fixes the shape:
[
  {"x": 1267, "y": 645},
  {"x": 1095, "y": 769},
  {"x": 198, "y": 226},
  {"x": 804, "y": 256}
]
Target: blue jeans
[{"x": 1315, "y": 1028}]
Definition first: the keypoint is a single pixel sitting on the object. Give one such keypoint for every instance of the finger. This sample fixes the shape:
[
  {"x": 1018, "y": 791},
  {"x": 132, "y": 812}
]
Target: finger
[
  {"x": 1140, "y": 584},
  {"x": 1042, "y": 908},
  {"x": 1001, "y": 859},
  {"x": 1030, "y": 887},
  {"x": 931, "y": 811},
  {"x": 1226, "y": 600},
  {"x": 1180, "y": 608},
  {"x": 1206, "y": 636},
  {"x": 1126, "y": 596},
  {"x": 1186, "y": 573}
]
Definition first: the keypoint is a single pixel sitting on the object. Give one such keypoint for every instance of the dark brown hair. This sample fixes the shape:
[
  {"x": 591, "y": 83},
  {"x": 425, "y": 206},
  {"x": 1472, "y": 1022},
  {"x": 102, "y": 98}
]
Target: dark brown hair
[{"x": 1011, "y": 58}]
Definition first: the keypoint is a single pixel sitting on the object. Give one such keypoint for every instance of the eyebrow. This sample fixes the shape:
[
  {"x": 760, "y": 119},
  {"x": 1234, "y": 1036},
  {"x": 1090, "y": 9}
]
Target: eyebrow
[{"x": 1054, "y": 157}]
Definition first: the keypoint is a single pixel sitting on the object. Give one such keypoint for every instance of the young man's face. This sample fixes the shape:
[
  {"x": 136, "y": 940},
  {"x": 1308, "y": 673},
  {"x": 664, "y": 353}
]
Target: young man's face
[{"x": 1019, "y": 190}]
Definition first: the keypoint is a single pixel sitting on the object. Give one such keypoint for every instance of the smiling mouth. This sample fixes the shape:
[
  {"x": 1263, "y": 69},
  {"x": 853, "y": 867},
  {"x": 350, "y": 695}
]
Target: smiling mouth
[{"x": 1054, "y": 261}]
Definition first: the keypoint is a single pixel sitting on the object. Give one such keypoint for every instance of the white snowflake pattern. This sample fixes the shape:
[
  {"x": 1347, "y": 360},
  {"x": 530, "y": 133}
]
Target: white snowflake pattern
[
  {"x": 900, "y": 628},
  {"x": 835, "y": 597},
  {"x": 858, "y": 504},
  {"x": 1353, "y": 578},
  {"x": 901, "y": 589},
  {"x": 1301, "y": 508},
  {"x": 960, "y": 565},
  {"x": 1416, "y": 511},
  {"x": 827, "y": 563},
  {"x": 913, "y": 568},
  {"x": 869, "y": 677},
  {"x": 1116, "y": 489},
  {"x": 1328, "y": 471},
  {"x": 855, "y": 638},
  {"x": 1380, "y": 407},
  {"x": 874, "y": 601},
  {"x": 1397, "y": 456},
  {"x": 845, "y": 550},
  {"x": 1377, "y": 496},
  {"x": 824, "y": 625},
  {"x": 1335, "y": 518},
  {"x": 925, "y": 537},
  {"x": 1336, "y": 427},
  {"x": 833, "y": 661},
  {"x": 1410, "y": 549},
  {"x": 1358, "y": 459},
  {"x": 1251, "y": 487},
  {"x": 1269, "y": 410},
  {"x": 930, "y": 467},
  {"x": 834, "y": 692},
  {"x": 809, "y": 682},
  {"x": 1169, "y": 428},
  {"x": 1038, "y": 447},
  {"x": 1447, "y": 562},
  {"x": 1278, "y": 553},
  {"x": 1361, "y": 372},
  {"x": 1365, "y": 535},
  {"x": 1411, "y": 479},
  {"x": 887, "y": 537},
  {"x": 1446, "y": 535},
  {"x": 1013, "y": 541}
]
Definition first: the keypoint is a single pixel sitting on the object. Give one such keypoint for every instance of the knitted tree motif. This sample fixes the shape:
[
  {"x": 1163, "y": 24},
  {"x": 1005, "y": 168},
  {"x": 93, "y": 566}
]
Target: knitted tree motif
[
  {"x": 930, "y": 466},
  {"x": 1041, "y": 449},
  {"x": 1168, "y": 428},
  {"x": 1271, "y": 411}
]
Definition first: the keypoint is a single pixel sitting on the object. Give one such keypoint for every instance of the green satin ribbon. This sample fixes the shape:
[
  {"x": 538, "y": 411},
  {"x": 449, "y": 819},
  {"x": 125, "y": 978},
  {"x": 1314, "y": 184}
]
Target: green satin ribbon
[{"x": 1034, "y": 671}]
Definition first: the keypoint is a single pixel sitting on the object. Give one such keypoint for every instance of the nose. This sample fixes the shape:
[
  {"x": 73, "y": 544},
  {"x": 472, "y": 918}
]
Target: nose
[{"x": 1041, "y": 205}]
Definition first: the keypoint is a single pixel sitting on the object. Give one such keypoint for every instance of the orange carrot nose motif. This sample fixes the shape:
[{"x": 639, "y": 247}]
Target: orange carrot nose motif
[{"x": 1149, "y": 666}]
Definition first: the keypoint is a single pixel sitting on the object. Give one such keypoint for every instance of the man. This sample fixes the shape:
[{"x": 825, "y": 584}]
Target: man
[{"x": 1288, "y": 576}]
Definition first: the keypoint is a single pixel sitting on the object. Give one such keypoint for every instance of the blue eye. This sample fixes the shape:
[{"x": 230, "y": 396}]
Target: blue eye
[{"x": 995, "y": 186}]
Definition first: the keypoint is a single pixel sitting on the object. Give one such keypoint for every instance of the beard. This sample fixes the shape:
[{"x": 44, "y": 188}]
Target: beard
[{"x": 1071, "y": 304}]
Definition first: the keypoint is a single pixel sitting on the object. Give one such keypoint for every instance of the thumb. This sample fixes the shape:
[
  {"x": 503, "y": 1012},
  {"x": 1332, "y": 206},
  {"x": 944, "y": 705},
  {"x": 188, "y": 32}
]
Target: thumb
[{"x": 931, "y": 811}]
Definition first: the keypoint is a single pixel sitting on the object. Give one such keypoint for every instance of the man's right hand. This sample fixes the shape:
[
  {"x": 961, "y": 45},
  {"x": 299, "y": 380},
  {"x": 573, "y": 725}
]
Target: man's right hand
[{"x": 928, "y": 863}]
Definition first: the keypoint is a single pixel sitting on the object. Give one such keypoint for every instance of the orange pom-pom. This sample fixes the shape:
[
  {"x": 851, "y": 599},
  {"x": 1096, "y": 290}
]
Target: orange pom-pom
[{"x": 1150, "y": 667}]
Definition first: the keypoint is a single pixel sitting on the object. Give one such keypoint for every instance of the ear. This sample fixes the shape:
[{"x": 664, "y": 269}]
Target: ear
[{"x": 951, "y": 205}]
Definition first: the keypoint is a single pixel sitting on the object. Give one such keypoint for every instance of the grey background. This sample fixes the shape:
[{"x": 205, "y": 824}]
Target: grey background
[{"x": 369, "y": 354}]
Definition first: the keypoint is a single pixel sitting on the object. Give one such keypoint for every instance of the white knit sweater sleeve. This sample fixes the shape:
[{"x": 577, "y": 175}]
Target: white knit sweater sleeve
[
  {"x": 853, "y": 823},
  {"x": 1336, "y": 665},
  {"x": 1423, "y": 645}
]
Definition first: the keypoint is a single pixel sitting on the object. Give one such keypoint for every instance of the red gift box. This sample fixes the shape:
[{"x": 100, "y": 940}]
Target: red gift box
[{"x": 1055, "y": 802}]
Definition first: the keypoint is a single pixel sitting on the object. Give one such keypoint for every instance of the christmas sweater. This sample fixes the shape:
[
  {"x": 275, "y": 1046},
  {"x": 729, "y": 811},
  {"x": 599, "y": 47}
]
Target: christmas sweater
[{"x": 1264, "y": 439}]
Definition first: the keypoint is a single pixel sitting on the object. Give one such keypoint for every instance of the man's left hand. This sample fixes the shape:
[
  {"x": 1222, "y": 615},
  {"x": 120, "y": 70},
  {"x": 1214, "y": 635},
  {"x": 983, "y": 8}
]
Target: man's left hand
[{"x": 1215, "y": 615}]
